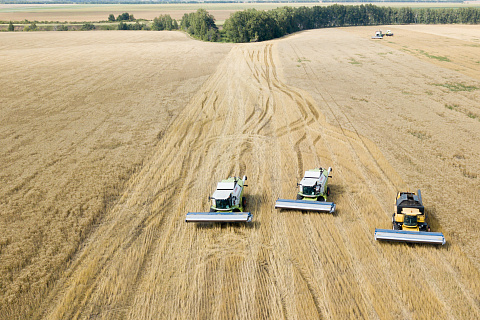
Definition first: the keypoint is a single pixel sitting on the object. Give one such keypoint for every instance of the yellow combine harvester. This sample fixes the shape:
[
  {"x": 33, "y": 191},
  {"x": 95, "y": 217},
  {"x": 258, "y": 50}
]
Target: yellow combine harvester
[{"x": 409, "y": 222}]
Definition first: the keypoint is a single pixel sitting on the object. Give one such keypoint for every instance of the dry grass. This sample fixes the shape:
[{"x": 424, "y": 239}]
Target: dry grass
[{"x": 105, "y": 170}]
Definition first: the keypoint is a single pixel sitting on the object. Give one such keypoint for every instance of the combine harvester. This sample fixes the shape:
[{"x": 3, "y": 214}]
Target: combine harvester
[
  {"x": 313, "y": 193},
  {"x": 389, "y": 33},
  {"x": 228, "y": 204},
  {"x": 378, "y": 35},
  {"x": 409, "y": 222}
]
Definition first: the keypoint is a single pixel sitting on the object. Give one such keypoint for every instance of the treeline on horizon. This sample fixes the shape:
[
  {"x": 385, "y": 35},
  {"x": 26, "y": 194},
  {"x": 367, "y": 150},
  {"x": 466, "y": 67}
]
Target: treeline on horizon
[{"x": 254, "y": 25}]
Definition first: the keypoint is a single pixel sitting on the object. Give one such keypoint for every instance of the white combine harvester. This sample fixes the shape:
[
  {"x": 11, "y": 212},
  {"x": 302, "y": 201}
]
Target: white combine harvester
[
  {"x": 227, "y": 204},
  {"x": 378, "y": 35},
  {"x": 313, "y": 192}
]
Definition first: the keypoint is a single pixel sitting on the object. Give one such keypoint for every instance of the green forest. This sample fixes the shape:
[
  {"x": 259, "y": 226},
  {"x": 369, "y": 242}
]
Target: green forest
[{"x": 254, "y": 25}]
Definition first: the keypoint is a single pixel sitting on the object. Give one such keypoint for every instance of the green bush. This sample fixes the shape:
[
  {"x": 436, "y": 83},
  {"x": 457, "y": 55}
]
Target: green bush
[
  {"x": 122, "y": 26},
  {"x": 107, "y": 27},
  {"x": 61, "y": 27},
  {"x": 164, "y": 22},
  {"x": 87, "y": 26},
  {"x": 135, "y": 26},
  {"x": 31, "y": 27},
  {"x": 125, "y": 17},
  {"x": 200, "y": 25}
]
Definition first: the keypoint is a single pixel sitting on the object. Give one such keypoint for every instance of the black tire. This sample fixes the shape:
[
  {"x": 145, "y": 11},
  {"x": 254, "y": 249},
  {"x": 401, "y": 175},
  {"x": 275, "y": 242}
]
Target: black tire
[
  {"x": 211, "y": 209},
  {"x": 236, "y": 210},
  {"x": 244, "y": 202},
  {"x": 299, "y": 197},
  {"x": 396, "y": 226},
  {"x": 328, "y": 191},
  {"x": 320, "y": 198}
]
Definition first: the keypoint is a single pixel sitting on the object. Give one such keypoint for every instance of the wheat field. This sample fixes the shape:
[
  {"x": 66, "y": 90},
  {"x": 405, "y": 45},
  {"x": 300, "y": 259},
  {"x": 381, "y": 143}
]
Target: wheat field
[{"x": 109, "y": 138}]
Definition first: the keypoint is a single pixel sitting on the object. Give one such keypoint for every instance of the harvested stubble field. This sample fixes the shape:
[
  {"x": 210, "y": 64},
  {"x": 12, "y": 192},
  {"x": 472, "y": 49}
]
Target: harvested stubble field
[{"x": 109, "y": 138}]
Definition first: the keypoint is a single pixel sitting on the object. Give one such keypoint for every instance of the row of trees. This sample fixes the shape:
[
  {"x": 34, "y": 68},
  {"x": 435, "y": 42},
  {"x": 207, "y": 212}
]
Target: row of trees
[
  {"x": 164, "y": 22},
  {"x": 253, "y": 25},
  {"x": 132, "y": 26},
  {"x": 200, "y": 25},
  {"x": 121, "y": 17}
]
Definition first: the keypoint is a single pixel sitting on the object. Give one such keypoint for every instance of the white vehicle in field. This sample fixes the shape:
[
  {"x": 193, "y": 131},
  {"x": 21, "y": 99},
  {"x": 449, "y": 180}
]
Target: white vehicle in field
[
  {"x": 312, "y": 194},
  {"x": 227, "y": 204}
]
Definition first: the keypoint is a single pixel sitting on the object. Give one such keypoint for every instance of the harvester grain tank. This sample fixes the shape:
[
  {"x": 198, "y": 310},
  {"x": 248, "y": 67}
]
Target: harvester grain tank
[
  {"x": 227, "y": 204},
  {"x": 409, "y": 222},
  {"x": 312, "y": 194}
]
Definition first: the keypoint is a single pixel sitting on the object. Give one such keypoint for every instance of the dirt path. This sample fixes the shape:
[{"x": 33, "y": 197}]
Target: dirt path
[{"x": 144, "y": 262}]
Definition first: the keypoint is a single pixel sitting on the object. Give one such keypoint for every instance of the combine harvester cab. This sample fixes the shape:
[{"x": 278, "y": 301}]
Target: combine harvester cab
[
  {"x": 409, "y": 222},
  {"x": 312, "y": 195},
  {"x": 227, "y": 204}
]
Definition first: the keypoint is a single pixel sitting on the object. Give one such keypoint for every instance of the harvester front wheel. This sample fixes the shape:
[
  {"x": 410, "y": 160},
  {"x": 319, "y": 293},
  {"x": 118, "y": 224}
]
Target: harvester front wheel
[
  {"x": 299, "y": 197},
  {"x": 328, "y": 191},
  {"x": 244, "y": 202}
]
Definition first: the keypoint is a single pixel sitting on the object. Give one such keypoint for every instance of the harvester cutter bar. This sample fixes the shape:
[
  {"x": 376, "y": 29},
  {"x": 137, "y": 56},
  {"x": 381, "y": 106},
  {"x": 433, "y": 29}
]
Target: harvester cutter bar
[
  {"x": 218, "y": 217},
  {"x": 410, "y": 236},
  {"x": 305, "y": 205}
]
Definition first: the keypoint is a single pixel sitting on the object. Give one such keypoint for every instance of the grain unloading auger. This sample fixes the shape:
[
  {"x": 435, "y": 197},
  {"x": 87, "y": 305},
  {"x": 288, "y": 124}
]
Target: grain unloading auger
[
  {"x": 409, "y": 222},
  {"x": 312, "y": 195},
  {"x": 227, "y": 204}
]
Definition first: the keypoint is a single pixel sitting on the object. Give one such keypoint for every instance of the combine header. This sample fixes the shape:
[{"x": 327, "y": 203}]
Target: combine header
[
  {"x": 228, "y": 204},
  {"x": 313, "y": 193},
  {"x": 409, "y": 222}
]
